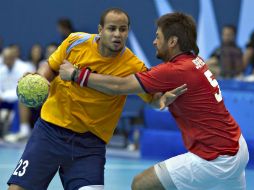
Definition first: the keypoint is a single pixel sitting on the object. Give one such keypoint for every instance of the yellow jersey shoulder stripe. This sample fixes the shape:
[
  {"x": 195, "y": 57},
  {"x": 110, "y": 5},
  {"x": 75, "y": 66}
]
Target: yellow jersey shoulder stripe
[{"x": 84, "y": 38}]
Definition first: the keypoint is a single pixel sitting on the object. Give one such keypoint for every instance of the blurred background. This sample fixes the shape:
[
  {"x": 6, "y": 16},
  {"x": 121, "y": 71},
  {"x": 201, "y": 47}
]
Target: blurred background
[{"x": 31, "y": 30}]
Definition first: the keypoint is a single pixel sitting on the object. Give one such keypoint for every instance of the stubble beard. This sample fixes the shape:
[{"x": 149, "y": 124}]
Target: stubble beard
[{"x": 161, "y": 56}]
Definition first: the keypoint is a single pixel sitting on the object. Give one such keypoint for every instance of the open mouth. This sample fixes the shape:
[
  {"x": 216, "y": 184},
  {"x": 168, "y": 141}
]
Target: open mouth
[{"x": 117, "y": 42}]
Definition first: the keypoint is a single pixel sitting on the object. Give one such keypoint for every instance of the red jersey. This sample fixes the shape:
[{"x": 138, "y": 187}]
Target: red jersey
[{"x": 207, "y": 128}]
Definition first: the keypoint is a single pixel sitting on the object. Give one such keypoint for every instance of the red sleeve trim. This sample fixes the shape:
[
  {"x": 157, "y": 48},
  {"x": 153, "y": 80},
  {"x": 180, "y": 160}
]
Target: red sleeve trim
[{"x": 140, "y": 82}]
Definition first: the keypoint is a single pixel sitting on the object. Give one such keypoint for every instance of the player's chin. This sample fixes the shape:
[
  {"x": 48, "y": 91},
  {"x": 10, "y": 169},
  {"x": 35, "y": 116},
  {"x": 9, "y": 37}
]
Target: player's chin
[
  {"x": 158, "y": 55},
  {"x": 117, "y": 49}
]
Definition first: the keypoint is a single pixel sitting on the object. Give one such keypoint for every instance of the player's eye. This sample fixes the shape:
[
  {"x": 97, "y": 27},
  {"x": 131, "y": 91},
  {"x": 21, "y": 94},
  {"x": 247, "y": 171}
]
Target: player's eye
[
  {"x": 123, "y": 29},
  {"x": 111, "y": 29}
]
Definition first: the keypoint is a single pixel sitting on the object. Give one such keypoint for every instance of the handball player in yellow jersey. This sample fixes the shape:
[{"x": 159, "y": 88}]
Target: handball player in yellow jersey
[{"x": 76, "y": 123}]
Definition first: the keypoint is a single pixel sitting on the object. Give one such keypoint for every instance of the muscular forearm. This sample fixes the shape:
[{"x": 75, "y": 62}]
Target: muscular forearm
[
  {"x": 114, "y": 85},
  {"x": 105, "y": 84},
  {"x": 46, "y": 72}
]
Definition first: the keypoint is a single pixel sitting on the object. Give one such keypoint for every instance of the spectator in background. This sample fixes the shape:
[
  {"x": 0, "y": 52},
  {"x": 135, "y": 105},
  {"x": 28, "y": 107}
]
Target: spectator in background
[
  {"x": 50, "y": 49},
  {"x": 248, "y": 58},
  {"x": 65, "y": 27},
  {"x": 7, "y": 101},
  {"x": 226, "y": 60},
  {"x": 36, "y": 55},
  {"x": 17, "y": 52},
  {"x": 10, "y": 71}
]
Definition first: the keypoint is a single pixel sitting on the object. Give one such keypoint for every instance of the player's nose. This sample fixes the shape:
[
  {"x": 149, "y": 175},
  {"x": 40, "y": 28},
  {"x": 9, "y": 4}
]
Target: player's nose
[
  {"x": 155, "y": 43},
  {"x": 117, "y": 33}
]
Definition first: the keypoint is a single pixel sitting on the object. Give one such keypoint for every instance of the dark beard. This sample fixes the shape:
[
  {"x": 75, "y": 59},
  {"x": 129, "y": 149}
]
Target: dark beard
[
  {"x": 162, "y": 57},
  {"x": 158, "y": 56}
]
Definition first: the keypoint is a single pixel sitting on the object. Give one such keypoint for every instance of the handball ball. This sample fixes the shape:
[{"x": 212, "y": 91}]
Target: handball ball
[{"x": 32, "y": 90}]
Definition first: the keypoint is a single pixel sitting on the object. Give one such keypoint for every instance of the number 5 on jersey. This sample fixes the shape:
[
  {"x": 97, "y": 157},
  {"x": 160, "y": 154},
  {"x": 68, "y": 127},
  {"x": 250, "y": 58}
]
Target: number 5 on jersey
[{"x": 214, "y": 84}]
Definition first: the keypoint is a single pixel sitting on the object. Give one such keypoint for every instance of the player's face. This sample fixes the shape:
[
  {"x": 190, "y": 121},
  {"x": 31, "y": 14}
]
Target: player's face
[
  {"x": 114, "y": 33},
  {"x": 160, "y": 45},
  {"x": 228, "y": 35},
  {"x": 8, "y": 57}
]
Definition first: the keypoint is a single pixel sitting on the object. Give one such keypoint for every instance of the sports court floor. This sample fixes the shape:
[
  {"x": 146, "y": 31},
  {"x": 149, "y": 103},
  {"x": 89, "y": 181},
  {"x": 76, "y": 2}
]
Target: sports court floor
[{"x": 118, "y": 174}]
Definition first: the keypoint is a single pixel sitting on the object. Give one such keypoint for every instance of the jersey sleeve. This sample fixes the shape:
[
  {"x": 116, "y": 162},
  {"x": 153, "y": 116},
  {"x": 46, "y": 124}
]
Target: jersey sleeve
[
  {"x": 161, "y": 78},
  {"x": 139, "y": 66},
  {"x": 56, "y": 59},
  {"x": 145, "y": 96}
]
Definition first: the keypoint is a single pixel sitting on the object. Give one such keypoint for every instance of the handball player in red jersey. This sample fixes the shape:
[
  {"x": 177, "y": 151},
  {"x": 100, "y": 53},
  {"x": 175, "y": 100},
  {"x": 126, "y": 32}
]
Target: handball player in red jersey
[{"x": 217, "y": 152}]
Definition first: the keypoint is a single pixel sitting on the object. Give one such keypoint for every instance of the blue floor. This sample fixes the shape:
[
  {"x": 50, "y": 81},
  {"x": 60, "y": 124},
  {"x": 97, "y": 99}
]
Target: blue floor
[{"x": 118, "y": 174}]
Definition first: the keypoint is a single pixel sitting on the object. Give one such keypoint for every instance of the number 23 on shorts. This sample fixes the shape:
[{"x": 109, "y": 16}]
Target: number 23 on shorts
[{"x": 21, "y": 168}]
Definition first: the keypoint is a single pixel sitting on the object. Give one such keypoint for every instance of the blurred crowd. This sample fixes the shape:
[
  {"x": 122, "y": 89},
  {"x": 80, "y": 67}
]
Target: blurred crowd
[
  {"x": 228, "y": 61},
  {"x": 16, "y": 120}
]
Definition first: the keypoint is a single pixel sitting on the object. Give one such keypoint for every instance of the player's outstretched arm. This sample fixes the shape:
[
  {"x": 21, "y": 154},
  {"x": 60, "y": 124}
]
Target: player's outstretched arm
[
  {"x": 116, "y": 85},
  {"x": 103, "y": 83}
]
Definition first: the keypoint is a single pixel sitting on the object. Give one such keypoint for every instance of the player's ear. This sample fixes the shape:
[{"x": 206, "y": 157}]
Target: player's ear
[
  {"x": 99, "y": 29},
  {"x": 172, "y": 41}
]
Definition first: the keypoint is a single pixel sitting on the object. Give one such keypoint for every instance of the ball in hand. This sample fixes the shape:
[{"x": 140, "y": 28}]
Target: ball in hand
[{"x": 32, "y": 90}]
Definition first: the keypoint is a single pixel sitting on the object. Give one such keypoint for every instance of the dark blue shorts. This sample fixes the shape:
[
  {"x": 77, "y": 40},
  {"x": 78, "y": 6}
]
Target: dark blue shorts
[{"x": 79, "y": 159}]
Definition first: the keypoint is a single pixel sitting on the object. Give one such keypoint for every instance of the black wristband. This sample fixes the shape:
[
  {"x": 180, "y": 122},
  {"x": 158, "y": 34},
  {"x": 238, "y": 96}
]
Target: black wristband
[
  {"x": 76, "y": 75},
  {"x": 73, "y": 75}
]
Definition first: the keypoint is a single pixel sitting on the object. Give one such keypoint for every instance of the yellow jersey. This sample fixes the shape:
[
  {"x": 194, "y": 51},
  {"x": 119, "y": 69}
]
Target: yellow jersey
[{"x": 84, "y": 109}]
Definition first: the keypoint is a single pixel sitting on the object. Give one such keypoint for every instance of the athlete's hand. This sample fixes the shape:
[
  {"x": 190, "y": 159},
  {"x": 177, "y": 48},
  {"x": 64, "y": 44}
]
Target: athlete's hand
[
  {"x": 66, "y": 70},
  {"x": 170, "y": 96}
]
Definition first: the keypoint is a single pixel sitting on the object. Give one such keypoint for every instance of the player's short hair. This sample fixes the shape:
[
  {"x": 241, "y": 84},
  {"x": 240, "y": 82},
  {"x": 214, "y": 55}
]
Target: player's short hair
[
  {"x": 114, "y": 10},
  {"x": 182, "y": 26}
]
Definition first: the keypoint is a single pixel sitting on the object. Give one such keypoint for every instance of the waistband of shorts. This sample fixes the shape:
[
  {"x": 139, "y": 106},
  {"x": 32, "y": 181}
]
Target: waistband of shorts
[{"x": 86, "y": 134}]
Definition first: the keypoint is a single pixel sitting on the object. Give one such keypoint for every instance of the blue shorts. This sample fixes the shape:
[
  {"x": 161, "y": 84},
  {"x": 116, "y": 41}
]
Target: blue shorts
[{"x": 79, "y": 158}]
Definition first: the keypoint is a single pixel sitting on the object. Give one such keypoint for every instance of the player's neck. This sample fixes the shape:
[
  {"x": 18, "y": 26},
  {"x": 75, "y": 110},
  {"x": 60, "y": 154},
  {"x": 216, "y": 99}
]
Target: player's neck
[{"x": 173, "y": 53}]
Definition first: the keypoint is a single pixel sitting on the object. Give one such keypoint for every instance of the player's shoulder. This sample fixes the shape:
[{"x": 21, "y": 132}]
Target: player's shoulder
[
  {"x": 127, "y": 53},
  {"x": 186, "y": 60},
  {"x": 77, "y": 38},
  {"x": 130, "y": 59},
  {"x": 81, "y": 36}
]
